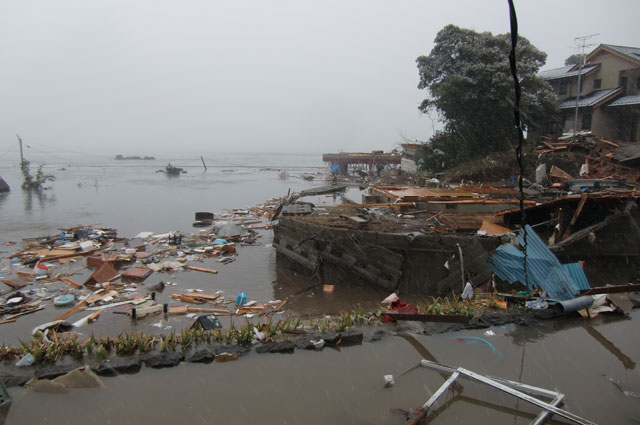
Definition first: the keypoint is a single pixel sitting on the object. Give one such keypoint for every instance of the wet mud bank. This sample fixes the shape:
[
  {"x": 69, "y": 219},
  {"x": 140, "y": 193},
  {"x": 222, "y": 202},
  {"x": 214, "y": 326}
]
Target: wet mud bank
[
  {"x": 202, "y": 353},
  {"x": 287, "y": 343}
]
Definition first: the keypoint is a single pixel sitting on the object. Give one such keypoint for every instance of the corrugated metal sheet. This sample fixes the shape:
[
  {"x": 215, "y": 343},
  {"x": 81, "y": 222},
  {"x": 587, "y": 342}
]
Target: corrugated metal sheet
[
  {"x": 543, "y": 267},
  {"x": 577, "y": 274}
]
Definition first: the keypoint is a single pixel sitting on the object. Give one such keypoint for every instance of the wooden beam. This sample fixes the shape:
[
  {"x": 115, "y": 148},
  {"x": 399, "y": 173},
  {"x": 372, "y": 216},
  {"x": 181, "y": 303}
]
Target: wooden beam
[
  {"x": 201, "y": 269},
  {"x": 576, "y": 214}
]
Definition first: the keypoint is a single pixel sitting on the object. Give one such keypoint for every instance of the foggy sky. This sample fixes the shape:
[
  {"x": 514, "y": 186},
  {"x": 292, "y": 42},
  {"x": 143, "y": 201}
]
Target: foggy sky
[{"x": 152, "y": 76}]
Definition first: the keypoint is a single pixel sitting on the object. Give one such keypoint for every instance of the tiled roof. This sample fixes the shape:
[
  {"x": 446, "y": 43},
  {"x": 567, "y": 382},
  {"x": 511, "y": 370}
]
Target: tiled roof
[
  {"x": 564, "y": 72},
  {"x": 633, "y": 99},
  {"x": 591, "y": 99},
  {"x": 631, "y": 52}
]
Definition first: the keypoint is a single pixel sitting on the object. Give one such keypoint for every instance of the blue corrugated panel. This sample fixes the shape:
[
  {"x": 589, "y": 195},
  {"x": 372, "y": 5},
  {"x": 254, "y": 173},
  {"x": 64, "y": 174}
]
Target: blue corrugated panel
[
  {"x": 543, "y": 268},
  {"x": 577, "y": 274}
]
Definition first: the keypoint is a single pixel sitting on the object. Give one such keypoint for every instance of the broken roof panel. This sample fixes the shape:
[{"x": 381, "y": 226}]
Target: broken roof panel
[
  {"x": 627, "y": 152},
  {"x": 577, "y": 274},
  {"x": 543, "y": 267},
  {"x": 565, "y": 72},
  {"x": 593, "y": 99}
]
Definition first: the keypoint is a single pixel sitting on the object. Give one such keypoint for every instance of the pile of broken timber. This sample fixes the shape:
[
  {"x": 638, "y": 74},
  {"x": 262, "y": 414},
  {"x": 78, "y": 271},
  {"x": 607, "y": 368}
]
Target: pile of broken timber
[{"x": 199, "y": 298}]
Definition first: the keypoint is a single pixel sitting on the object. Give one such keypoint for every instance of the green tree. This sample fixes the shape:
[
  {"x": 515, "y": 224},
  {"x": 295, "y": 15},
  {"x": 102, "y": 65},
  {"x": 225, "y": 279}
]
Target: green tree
[
  {"x": 574, "y": 59},
  {"x": 34, "y": 182},
  {"x": 470, "y": 85}
]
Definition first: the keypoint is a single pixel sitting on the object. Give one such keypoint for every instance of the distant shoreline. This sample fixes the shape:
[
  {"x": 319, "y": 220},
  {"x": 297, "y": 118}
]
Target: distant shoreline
[{"x": 143, "y": 158}]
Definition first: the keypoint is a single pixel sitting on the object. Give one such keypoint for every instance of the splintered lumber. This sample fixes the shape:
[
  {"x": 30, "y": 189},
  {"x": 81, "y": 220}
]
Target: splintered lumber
[
  {"x": 209, "y": 310},
  {"x": 7, "y": 321},
  {"x": 105, "y": 273},
  {"x": 64, "y": 256},
  {"x": 94, "y": 316},
  {"x": 137, "y": 273},
  {"x": 559, "y": 173},
  {"x": 576, "y": 214},
  {"x": 28, "y": 310},
  {"x": 70, "y": 282},
  {"x": 385, "y": 205},
  {"x": 196, "y": 297},
  {"x": 187, "y": 299},
  {"x": 94, "y": 298},
  {"x": 201, "y": 269},
  {"x": 81, "y": 305},
  {"x": 179, "y": 309},
  {"x": 16, "y": 283}
]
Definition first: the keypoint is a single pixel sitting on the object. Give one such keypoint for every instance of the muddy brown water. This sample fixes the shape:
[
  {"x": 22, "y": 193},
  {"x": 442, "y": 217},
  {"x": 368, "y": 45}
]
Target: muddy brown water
[
  {"x": 591, "y": 362},
  {"x": 346, "y": 386}
]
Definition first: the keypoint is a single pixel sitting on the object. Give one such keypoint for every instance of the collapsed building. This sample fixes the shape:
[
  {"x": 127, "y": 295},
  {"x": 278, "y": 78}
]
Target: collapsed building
[{"x": 430, "y": 241}]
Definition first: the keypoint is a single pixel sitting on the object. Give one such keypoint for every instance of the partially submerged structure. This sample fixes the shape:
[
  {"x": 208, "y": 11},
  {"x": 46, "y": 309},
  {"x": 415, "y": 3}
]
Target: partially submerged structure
[
  {"x": 368, "y": 162},
  {"x": 431, "y": 241}
]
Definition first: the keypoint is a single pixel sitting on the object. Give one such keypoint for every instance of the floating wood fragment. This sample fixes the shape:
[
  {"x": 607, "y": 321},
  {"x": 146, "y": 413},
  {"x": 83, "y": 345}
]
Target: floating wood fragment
[
  {"x": 94, "y": 316},
  {"x": 2, "y": 322},
  {"x": 137, "y": 273},
  {"x": 217, "y": 311},
  {"x": 70, "y": 282},
  {"x": 16, "y": 283},
  {"x": 106, "y": 272},
  {"x": 201, "y": 269},
  {"x": 179, "y": 309},
  {"x": 80, "y": 306}
]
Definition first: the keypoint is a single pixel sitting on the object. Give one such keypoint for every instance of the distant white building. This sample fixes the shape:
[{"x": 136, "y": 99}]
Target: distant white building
[{"x": 408, "y": 162}]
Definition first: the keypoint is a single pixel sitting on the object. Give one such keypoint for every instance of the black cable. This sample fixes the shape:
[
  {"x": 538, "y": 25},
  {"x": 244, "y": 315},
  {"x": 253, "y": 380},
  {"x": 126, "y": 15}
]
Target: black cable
[{"x": 516, "y": 116}]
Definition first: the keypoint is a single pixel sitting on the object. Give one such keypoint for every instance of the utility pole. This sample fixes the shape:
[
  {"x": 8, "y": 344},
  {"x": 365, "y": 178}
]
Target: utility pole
[
  {"x": 21, "y": 156},
  {"x": 581, "y": 48}
]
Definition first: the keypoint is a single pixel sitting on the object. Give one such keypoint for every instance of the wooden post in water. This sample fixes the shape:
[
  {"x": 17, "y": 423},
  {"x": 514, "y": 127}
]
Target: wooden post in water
[{"x": 205, "y": 165}]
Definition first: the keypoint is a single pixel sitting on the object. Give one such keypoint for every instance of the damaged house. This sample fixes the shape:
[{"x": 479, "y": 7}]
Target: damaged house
[{"x": 605, "y": 90}]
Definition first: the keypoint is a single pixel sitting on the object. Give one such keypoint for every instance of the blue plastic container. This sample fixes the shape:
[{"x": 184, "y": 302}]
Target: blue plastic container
[{"x": 242, "y": 298}]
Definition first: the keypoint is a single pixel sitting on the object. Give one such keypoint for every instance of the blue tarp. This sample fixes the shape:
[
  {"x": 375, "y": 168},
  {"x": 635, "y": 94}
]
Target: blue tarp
[{"x": 543, "y": 267}]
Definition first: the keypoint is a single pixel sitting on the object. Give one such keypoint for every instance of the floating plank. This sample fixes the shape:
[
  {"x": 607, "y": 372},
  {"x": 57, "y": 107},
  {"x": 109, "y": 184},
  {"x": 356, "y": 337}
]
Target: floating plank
[
  {"x": 80, "y": 306},
  {"x": 16, "y": 283},
  {"x": 179, "y": 309},
  {"x": 208, "y": 310},
  {"x": 70, "y": 282},
  {"x": 137, "y": 273},
  {"x": 94, "y": 316},
  {"x": 104, "y": 273},
  {"x": 201, "y": 269}
]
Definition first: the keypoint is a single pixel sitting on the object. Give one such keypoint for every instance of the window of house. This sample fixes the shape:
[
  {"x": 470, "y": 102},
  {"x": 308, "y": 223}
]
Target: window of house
[
  {"x": 586, "y": 121},
  {"x": 623, "y": 83},
  {"x": 581, "y": 84},
  {"x": 597, "y": 83},
  {"x": 563, "y": 86},
  {"x": 638, "y": 85}
]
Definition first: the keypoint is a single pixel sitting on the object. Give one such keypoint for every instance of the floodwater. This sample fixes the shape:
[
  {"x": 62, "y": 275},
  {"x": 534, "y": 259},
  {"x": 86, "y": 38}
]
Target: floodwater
[
  {"x": 593, "y": 362},
  {"x": 590, "y": 362}
]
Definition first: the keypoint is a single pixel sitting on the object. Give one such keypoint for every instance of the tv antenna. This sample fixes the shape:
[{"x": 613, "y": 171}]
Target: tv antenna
[{"x": 581, "y": 44}]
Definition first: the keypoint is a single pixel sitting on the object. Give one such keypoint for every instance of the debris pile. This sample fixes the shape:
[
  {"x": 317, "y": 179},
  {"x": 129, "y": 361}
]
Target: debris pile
[{"x": 115, "y": 268}]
